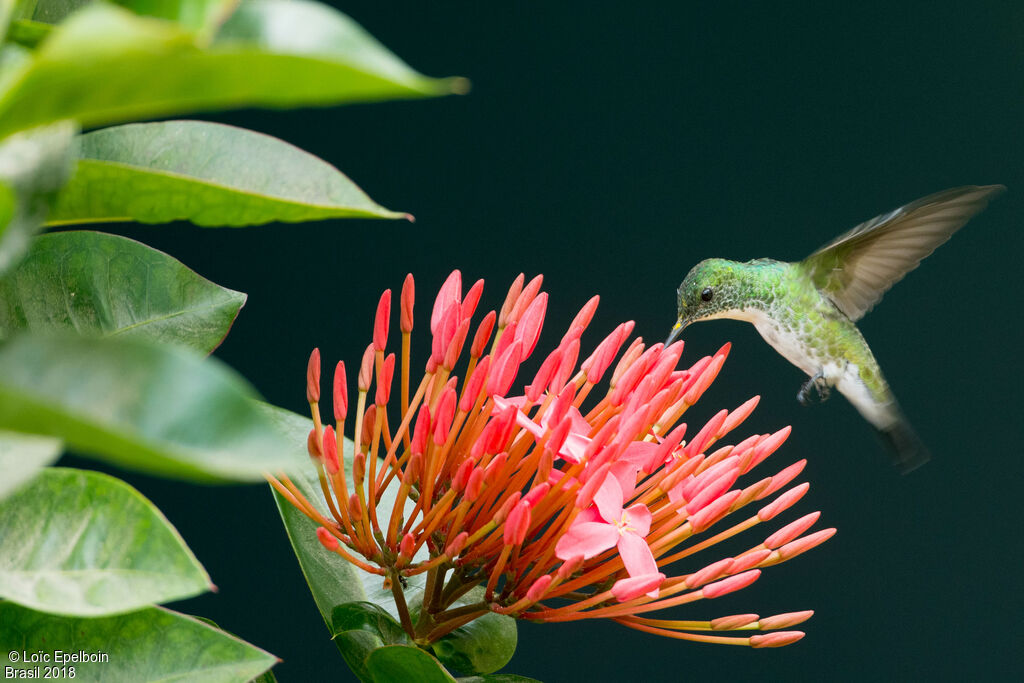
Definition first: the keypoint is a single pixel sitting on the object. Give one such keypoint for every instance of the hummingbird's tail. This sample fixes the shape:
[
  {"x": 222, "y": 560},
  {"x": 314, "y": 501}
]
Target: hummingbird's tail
[{"x": 907, "y": 450}]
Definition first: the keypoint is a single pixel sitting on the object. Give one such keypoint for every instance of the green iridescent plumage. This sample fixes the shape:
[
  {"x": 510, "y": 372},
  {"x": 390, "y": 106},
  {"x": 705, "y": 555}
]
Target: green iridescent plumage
[{"x": 807, "y": 310}]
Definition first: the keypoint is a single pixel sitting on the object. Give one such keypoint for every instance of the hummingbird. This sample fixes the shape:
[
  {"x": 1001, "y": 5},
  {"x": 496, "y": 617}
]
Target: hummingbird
[{"x": 808, "y": 310}]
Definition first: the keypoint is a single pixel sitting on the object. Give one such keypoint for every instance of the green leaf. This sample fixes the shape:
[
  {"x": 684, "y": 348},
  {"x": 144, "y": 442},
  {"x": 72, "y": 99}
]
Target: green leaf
[
  {"x": 106, "y": 65},
  {"x": 153, "y": 408},
  {"x": 33, "y": 167},
  {"x": 497, "y": 678},
  {"x": 6, "y": 14},
  {"x": 200, "y": 15},
  {"x": 405, "y": 663},
  {"x": 151, "y": 645},
  {"x": 361, "y": 628},
  {"x": 483, "y": 645},
  {"x": 83, "y": 543},
  {"x": 266, "y": 677},
  {"x": 368, "y": 617},
  {"x": 12, "y": 60},
  {"x": 27, "y": 33},
  {"x": 53, "y": 11},
  {"x": 207, "y": 173},
  {"x": 103, "y": 285},
  {"x": 193, "y": 14},
  {"x": 332, "y": 580},
  {"x": 22, "y": 456}
]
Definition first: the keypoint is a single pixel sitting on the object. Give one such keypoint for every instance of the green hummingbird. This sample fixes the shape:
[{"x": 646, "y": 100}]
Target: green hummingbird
[{"x": 807, "y": 311}]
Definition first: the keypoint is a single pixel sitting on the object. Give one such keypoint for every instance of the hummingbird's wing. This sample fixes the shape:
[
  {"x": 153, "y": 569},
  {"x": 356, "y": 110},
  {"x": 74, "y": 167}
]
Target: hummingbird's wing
[{"x": 857, "y": 268}]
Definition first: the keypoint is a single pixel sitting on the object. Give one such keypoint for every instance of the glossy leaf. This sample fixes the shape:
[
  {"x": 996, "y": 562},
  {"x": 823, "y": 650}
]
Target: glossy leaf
[
  {"x": 33, "y": 167},
  {"x": 193, "y": 14},
  {"x": 154, "y": 408},
  {"x": 360, "y": 628},
  {"x": 482, "y": 646},
  {"x": 150, "y": 645},
  {"x": 370, "y": 618},
  {"x": 83, "y": 543},
  {"x": 103, "y": 285},
  {"x": 106, "y": 65},
  {"x": 207, "y": 173},
  {"x": 27, "y": 33},
  {"x": 497, "y": 678},
  {"x": 12, "y": 59},
  {"x": 6, "y": 15},
  {"x": 53, "y": 11},
  {"x": 332, "y": 580},
  {"x": 405, "y": 663},
  {"x": 266, "y": 677},
  {"x": 23, "y": 456}
]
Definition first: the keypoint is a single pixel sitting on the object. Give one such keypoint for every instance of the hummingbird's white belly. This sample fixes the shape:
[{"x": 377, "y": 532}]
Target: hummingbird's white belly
[
  {"x": 839, "y": 373},
  {"x": 788, "y": 343}
]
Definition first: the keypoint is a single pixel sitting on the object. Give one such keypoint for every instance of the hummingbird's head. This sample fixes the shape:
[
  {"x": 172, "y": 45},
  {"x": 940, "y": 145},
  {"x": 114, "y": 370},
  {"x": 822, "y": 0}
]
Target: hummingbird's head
[{"x": 710, "y": 290}]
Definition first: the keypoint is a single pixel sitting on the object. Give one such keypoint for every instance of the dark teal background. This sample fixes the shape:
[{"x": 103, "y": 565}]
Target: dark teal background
[{"x": 611, "y": 147}]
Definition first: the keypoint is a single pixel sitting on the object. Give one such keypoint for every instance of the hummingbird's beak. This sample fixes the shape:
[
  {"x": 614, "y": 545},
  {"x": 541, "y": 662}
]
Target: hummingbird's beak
[{"x": 676, "y": 329}]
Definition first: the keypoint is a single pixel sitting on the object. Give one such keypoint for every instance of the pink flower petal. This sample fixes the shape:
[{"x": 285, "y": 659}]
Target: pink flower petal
[
  {"x": 636, "y": 555},
  {"x": 574, "y": 448},
  {"x": 579, "y": 425},
  {"x": 589, "y": 515},
  {"x": 641, "y": 454},
  {"x": 625, "y": 473},
  {"x": 588, "y": 539},
  {"x": 521, "y": 418},
  {"x": 638, "y": 517},
  {"x": 608, "y": 500}
]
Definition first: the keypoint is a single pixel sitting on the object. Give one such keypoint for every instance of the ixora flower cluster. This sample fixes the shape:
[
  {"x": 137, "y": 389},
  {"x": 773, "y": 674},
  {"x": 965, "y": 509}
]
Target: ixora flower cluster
[{"x": 564, "y": 508}]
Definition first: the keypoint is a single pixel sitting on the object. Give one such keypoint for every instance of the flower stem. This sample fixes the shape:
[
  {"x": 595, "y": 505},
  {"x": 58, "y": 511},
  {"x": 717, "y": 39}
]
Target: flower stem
[
  {"x": 452, "y": 624},
  {"x": 403, "y": 608}
]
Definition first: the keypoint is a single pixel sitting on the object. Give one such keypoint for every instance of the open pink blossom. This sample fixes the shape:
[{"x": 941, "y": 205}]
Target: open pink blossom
[
  {"x": 606, "y": 524},
  {"x": 575, "y": 445}
]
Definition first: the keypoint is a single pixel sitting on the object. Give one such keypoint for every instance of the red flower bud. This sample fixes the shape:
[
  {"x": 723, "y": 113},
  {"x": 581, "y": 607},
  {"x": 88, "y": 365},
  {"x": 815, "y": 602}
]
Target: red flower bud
[
  {"x": 313, "y": 377},
  {"x": 327, "y": 538},
  {"x": 408, "y": 299},
  {"x": 382, "y": 321}
]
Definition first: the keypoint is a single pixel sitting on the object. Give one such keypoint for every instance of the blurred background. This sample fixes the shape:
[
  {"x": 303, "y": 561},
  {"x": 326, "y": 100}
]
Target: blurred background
[{"x": 611, "y": 148}]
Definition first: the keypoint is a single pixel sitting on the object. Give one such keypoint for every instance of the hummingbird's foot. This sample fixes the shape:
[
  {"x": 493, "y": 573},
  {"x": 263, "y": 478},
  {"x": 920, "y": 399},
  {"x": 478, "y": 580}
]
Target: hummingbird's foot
[{"x": 817, "y": 385}]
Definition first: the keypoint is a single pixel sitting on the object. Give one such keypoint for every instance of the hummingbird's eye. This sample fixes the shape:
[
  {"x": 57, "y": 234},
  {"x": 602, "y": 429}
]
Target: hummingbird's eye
[{"x": 707, "y": 294}]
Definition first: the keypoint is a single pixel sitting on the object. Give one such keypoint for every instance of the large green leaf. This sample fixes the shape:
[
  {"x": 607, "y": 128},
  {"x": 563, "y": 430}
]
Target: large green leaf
[
  {"x": 266, "y": 677},
  {"x": 96, "y": 284},
  {"x": 27, "y": 33},
  {"x": 6, "y": 13},
  {"x": 405, "y": 663},
  {"x": 107, "y": 65},
  {"x": 207, "y": 173},
  {"x": 483, "y": 645},
  {"x": 360, "y": 628},
  {"x": 497, "y": 678},
  {"x": 149, "y": 407},
  {"x": 52, "y": 11},
  {"x": 83, "y": 543},
  {"x": 201, "y": 15},
  {"x": 33, "y": 167},
  {"x": 332, "y": 580},
  {"x": 22, "y": 456},
  {"x": 151, "y": 645}
]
